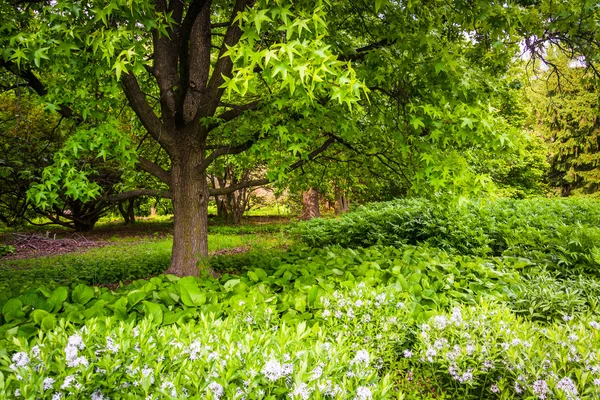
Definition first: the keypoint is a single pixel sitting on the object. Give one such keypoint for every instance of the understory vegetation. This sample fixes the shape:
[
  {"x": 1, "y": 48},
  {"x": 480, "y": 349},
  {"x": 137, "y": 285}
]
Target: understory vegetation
[{"x": 407, "y": 299}]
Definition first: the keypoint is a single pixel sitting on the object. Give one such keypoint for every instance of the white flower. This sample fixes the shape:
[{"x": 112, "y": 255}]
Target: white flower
[
  {"x": 20, "y": 359},
  {"x": 540, "y": 387},
  {"x": 17, "y": 393},
  {"x": 456, "y": 317},
  {"x": 595, "y": 325},
  {"x": 567, "y": 317},
  {"x": 317, "y": 372},
  {"x": 567, "y": 386},
  {"x": 216, "y": 389},
  {"x": 430, "y": 353},
  {"x": 35, "y": 350},
  {"x": 111, "y": 345},
  {"x": 57, "y": 396},
  {"x": 69, "y": 380},
  {"x": 77, "y": 341},
  {"x": 494, "y": 388},
  {"x": 597, "y": 382},
  {"x": 48, "y": 382},
  {"x": 301, "y": 390},
  {"x": 361, "y": 357},
  {"x": 97, "y": 395},
  {"x": 326, "y": 313},
  {"x": 363, "y": 393},
  {"x": 440, "y": 322},
  {"x": 273, "y": 370},
  {"x": 408, "y": 353}
]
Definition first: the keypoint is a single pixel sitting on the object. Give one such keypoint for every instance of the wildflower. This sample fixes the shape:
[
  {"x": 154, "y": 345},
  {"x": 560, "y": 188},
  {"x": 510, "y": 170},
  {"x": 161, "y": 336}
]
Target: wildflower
[
  {"x": 494, "y": 388},
  {"x": 567, "y": 318},
  {"x": 567, "y": 386},
  {"x": 273, "y": 370},
  {"x": 216, "y": 389},
  {"x": 470, "y": 349},
  {"x": 20, "y": 359},
  {"x": 317, "y": 372},
  {"x": 48, "y": 382},
  {"x": 456, "y": 317},
  {"x": 440, "y": 343},
  {"x": 440, "y": 322},
  {"x": 111, "y": 346},
  {"x": 540, "y": 388},
  {"x": 301, "y": 390},
  {"x": 430, "y": 353},
  {"x": 326, "y": 313},
  {"x": 408, "y": 353},
  {"x": 76, "y": 341},
  {"x": 361, "y": 357},
  {"x": 35, "y": 350},
  {"x": 68, "y": 382},
  {"x": 363, "y": 393},
  {"x": 57, "y": 396},
  {"x": 466, "y": 377},
  {"x": 17, "y": 393},
  {"x": 595, "y": 325},
  {"x": 167, "y": 385},
  {"x": 97, "y": 395},
  {"x": 518, "y": 388}
]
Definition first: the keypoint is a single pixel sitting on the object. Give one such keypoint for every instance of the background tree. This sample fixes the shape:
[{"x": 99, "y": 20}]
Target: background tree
[{"x": 566, "y": 112}]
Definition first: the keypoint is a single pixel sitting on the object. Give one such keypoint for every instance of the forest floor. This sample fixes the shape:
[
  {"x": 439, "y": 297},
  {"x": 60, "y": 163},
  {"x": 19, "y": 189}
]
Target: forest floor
[{"x": 37, "y": 241}]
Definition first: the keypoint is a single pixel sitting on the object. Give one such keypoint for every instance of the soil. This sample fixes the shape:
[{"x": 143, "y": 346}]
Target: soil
[{"x": 37, "y": 245}]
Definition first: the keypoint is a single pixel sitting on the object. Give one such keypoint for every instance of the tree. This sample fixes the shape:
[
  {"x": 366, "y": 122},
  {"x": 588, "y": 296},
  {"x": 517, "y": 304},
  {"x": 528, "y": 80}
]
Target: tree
[
  {"x": 566, "y": 112},
  {"x": 209, "y": 79}
]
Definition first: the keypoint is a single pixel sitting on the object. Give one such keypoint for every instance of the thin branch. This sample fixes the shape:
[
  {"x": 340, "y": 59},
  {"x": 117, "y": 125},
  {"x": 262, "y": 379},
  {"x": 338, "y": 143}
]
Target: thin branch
[{"x": 154, "y": 169}]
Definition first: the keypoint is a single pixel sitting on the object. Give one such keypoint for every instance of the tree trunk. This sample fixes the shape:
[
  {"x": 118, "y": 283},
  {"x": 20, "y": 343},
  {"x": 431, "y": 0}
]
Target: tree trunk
[
  {"x": 310, "y": 204},
  {"x": 190, "y": 206},
  {"x": 341, "y": 202}
]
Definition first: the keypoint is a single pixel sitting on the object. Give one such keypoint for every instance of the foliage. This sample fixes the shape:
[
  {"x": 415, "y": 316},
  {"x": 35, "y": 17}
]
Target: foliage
[
  {"x": 488, "y": 352},
  {"x": 565, "y": 102},
  {"x": 223, "y": 358},
  {"x": 292, "y": 285},
  {"x": 562, "y": 234},
  {"x": 5, "y": 249},
  {"x": 545, "y": 297}
]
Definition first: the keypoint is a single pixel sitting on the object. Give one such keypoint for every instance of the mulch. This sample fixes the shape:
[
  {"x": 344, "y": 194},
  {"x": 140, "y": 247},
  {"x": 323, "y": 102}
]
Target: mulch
[{"x": 38, "y": 245}]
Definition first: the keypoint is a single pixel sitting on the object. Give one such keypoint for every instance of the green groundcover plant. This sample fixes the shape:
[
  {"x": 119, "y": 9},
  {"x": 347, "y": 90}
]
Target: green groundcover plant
[
  {"x": 562, "y": 234},
  {"x": 430, "y": 280}
]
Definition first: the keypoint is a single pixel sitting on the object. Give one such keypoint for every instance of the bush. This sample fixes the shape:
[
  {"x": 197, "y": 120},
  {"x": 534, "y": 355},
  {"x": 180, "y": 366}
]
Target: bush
[{"x": 561, "y": 234}]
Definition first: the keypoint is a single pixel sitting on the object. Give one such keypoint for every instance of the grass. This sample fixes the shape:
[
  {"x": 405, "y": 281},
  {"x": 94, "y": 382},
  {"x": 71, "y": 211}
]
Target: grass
[{"x": 120, "y": 262}]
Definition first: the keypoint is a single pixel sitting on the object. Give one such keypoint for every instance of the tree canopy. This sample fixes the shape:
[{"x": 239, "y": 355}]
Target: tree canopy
[{"x": 416, "y": 85}]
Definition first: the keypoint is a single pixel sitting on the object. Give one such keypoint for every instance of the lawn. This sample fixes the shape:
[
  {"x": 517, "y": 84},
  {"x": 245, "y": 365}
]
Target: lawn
[{"x": 408, "y": 299}]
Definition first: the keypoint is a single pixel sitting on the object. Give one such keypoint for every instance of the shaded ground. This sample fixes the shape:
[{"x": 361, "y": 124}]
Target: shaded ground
[
  {"x": 34, "y": 242},
  {"x": 37, "y": 245}
]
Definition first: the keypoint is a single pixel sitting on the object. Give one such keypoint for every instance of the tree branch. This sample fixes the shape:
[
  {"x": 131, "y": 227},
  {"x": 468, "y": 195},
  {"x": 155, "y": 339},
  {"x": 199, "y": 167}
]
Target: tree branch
[
  {"x": 360, "y": 53},
  {"x": 138, "y": 103},
  {"x": 235, "y": 112},
  {"x": 135, "y": 193},
  {"x": 154, "y": 169},
  {"x": 265, "y": 181}
]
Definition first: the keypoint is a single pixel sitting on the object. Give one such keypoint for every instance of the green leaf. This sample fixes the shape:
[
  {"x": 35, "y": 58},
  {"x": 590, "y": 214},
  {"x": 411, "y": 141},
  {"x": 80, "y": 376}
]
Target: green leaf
[
  {"x": 82, "y": 294},
  {"x": 154, "y": 312},
  {"x": 191, "y": 295}
]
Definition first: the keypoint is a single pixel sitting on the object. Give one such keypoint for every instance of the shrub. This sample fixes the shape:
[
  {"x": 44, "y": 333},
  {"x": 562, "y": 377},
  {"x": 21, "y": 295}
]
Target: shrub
[{"x": 560, "y": 234}]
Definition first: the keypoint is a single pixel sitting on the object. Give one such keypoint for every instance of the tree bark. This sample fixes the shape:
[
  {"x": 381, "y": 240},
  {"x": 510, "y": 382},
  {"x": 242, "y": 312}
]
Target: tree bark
[
  {"x": 341, "y": 204},
  {"x": 190, "y": 206},
  {"x": 310, "y": 204}
]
